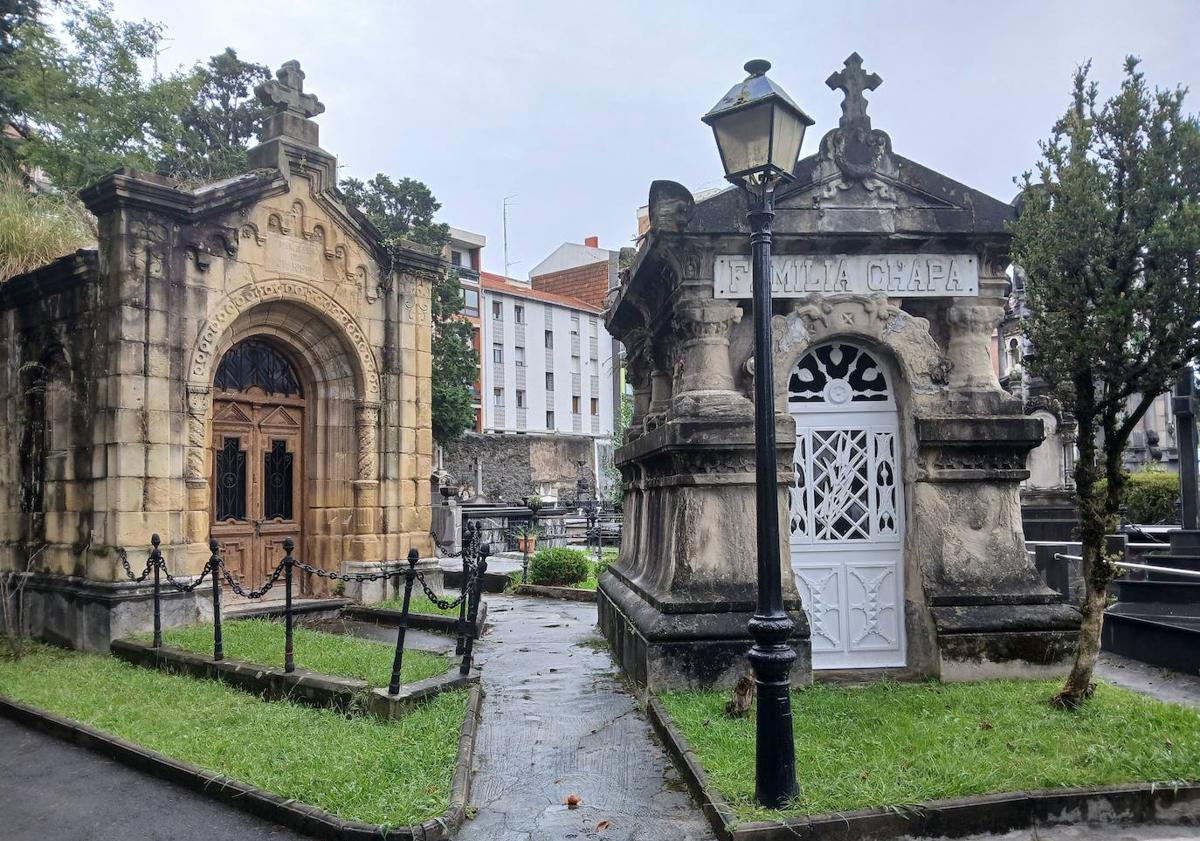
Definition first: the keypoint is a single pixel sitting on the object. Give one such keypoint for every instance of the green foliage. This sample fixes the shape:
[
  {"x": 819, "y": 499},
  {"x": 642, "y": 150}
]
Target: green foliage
[
  {"x": 261, "y": 641},
  {"x": 898, "y": 744},
  {"x": 1109, "y": 239},
  {"x": 36, "y": 228},
  {"x": 404, "y": 210},
  {"x": 400, "y": 209},
  {"x": 419, "y": 603},
  {"x": 559, "y": 567},
  {"x": 1150, "y": 495},
  {"x": 83, "y": 105},
  {"x": 218, "y": 124},
  {"x": 17, "y": 19},
  {"x": 358, "y": 768}
]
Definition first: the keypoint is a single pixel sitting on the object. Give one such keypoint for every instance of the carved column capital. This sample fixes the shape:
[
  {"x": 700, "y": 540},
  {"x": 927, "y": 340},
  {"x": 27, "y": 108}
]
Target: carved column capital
[
  {"x": 971, "y": 326},
  {"x": 704, "y": 382}
]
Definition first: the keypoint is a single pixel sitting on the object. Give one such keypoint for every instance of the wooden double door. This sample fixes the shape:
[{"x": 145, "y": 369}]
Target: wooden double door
[{"x": 257, "y": 482}]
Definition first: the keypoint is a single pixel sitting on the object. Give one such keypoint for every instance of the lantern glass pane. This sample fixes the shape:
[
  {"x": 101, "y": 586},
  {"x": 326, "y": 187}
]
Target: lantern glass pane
[
  {"x": 744, "y": 138},
  {"x": 789, "y": 136}
]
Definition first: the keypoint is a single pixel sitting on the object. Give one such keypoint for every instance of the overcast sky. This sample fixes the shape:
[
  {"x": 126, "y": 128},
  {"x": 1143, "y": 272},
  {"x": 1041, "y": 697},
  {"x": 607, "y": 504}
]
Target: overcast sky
[{"x": 574, "y": 108}]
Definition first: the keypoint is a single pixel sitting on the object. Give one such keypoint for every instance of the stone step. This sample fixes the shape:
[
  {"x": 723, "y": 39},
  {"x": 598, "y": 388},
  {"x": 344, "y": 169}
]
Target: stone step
[
  {"x": 1168, "y": 559},
  {"x": 1167, "y": 642},
  {"x": 1161, "y": 592},
  {"x": 1062, "y": 530}
]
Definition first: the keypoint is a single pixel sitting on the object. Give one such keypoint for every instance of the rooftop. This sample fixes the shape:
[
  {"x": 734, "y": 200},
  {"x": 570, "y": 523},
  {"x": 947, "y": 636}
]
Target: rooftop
[{"x": 509, "y": 286}]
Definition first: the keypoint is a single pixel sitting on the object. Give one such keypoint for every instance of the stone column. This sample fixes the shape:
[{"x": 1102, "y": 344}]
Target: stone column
[
  {"x": 367, "y": 545},
  {"x": 659, "y": 357},
  {"x": 703, "y": 383},
  {"x": 199, "y": 404},
  {"x": 971, "y": 327},
  {"x": 637, "y": 368}
]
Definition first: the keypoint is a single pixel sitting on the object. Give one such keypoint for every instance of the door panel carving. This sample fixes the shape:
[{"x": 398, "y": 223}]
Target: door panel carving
[
  {"x": 257, "y": 440},
  {"x": 846, "y": 525}
]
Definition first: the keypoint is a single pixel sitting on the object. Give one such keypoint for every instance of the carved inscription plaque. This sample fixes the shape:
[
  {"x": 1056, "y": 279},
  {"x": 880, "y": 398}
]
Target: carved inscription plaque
[
  {"x": 897, "y": 275},
  {"x": 294, "y": 256}
]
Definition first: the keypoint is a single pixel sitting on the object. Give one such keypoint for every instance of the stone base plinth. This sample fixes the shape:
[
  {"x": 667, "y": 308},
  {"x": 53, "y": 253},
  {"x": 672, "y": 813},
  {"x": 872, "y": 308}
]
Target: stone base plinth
[
  {"x": 88, "y": 615},
  {"x": 981, "y": 642},
  {"x": 677, "y": 645},
  {"x": 382, "y": 589}
]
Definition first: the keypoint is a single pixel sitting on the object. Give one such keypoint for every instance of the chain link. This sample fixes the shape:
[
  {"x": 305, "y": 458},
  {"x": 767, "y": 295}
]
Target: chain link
[
  {"x": 124, "y": 556},
  {"x": 251, "y": 594},
  {"x": 185, "y": 588}
]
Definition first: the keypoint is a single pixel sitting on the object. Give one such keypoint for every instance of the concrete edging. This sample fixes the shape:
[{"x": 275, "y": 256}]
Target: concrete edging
[
  {"x": 312, "y": 688},
  {"x": 420, "y": 621},
  {"x": 546, "y": 591},
  {"x": 264, "y": 804},
  {"x": 995, "y": 813}
]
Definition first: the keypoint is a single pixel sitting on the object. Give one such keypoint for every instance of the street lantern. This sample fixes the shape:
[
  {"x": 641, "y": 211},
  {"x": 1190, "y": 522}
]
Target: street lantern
[{"x": 759, "y": 130}]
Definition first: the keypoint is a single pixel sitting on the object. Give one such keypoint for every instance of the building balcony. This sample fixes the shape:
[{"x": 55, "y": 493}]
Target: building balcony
[{"x": 465, "y": 274}]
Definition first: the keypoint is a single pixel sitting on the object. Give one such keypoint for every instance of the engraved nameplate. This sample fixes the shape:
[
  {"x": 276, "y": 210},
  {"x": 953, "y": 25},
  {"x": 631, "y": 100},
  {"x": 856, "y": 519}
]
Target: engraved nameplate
[
  {"x": 896, "y": 275},
  {"x": 294, "y": 256}
]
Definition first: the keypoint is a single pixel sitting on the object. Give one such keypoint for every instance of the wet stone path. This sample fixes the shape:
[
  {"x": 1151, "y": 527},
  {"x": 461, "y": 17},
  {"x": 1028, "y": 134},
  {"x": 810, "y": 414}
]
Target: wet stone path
[{"x": 558, "y": 721}]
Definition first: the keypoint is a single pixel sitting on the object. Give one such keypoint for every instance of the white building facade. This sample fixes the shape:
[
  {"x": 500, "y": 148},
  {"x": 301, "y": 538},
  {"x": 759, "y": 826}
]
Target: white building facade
[{"x": 548, "y": 364}]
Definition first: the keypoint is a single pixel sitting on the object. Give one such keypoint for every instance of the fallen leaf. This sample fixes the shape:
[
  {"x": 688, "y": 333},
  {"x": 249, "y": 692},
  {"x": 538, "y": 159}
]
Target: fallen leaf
[
  {"x": 573, "y": 801},
  {"x": 602, "y": 825},
  {"x": 559, "y": 780},
  {"x": 985, "y": 725},
  {"x": 864, "y": 775}
]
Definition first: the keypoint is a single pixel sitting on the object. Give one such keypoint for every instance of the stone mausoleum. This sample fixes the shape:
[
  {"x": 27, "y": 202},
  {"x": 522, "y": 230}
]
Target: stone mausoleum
[
  {"x": 901, "y": 457},
  {"x": 242, "y": 360}
]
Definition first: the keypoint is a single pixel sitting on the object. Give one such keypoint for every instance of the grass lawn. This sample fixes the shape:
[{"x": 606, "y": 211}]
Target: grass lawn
[
  {"x": 894, "y": 744},
  {"x": 420, "y": 603},
  {"x": 261, "y": 641},
  {"x": 386, "y": 772}
]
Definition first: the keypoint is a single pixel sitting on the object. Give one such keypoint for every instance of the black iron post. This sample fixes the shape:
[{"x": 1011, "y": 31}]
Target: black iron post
[
  {"x": 156, "y": 561},
  {"x": 771, "y": 656},
  {"x": 470, "y": 541},
  {"x": 289, "y": 663},
  {"x": 1183, "y": 405},
  {"x": 410, "y": 575},
  {"x": 473, "y": 613},
  {"x": 214, "y": 564}
]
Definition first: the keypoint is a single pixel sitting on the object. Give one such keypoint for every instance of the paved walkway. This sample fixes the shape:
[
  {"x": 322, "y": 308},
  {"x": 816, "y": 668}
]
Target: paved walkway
[
  {"x": 53, "y": 790},
  {"x": 557, "y": 721}
]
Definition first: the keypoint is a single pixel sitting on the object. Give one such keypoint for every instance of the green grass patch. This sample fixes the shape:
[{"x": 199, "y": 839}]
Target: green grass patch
[
  {"x": 394, "y": 773},
  {"x": 893, "y": 744},
  {"x": 420, "y": 603},
  {"x": 261, "y": 641}
]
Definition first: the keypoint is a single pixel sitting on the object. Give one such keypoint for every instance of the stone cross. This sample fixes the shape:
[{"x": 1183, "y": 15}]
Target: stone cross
[
  {"x": 853, "y": 82},
  {"x": 286, "y": 92}
]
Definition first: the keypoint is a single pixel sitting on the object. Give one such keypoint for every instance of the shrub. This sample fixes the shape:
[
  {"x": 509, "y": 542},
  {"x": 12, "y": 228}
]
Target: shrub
[
  {"x": 1150, "y": 495},
  {"x": 559, "y": 567},
  {"x": 36, "y": 228}
]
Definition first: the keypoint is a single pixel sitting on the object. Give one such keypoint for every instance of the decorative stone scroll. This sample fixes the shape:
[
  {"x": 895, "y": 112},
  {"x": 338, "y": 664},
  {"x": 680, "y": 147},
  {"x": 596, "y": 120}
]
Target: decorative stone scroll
[
  {"x": 199, "y": 399},
  {"x": 241, "y": 300}
]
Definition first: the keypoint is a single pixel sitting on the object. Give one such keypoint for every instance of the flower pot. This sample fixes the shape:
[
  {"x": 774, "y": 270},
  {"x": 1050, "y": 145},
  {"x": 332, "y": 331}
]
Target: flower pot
[{"x": 527, "y": 544}]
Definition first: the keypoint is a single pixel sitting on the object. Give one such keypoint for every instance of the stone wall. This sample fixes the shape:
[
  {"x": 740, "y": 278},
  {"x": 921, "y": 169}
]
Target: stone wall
[{"x": 516, "y": 466}]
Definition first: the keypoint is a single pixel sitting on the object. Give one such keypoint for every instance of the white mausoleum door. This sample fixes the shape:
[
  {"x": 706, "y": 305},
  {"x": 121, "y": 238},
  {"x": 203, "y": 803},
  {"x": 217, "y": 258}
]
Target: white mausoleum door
[{"x": 847, "y": 508}]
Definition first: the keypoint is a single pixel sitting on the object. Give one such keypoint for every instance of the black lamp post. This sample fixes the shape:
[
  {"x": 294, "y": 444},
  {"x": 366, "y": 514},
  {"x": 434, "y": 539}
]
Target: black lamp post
[{"x": 759, "y": 130}]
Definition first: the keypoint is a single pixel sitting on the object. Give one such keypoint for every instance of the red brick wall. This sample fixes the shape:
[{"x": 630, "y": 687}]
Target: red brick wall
[{"x": 584, "y": 283}]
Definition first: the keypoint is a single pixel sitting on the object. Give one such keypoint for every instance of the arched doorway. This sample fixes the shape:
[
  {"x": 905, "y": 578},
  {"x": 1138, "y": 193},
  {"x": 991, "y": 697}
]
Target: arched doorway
[
  {"x": 258, "y": 447},
  {"x": 847, "y": 508}
]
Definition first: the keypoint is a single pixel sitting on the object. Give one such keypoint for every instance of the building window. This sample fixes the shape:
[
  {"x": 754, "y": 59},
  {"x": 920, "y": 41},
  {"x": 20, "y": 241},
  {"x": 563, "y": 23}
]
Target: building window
[
  {"x": 497, "y": 310},
  {"x": 497, "y": 397},
  {"x": 520, "y": 356},
  {"x": 575, "y": 404},
  {"x": 549, "y": 381},
  {"x": 519, "y": 314},
  {"x": 549, "y": 420},
  {"x": 592, "y": 325},
  {"x": 497, "y": 353},
  {"x": 456, "y": 257},
  {"x": 550, "y": 338},
  {"x": 574, "y": 325},
  {"x": 470, "y": 302},
  {"x": 595, "y": 405},
  {"x": 520, "y": 399}
]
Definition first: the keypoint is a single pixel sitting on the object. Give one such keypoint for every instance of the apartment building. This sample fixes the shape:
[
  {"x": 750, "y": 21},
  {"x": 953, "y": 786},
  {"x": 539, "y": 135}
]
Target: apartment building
[{"x": 464, "y": 251}]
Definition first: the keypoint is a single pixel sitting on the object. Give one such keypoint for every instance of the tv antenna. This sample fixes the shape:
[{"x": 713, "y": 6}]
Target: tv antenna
[{"x": 505, "y": 204}]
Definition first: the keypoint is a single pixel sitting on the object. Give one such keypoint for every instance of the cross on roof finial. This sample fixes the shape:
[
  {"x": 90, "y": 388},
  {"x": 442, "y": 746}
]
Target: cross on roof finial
[
  {"x": 287, "y": 94},
  {"x": 853, "y": 81}
]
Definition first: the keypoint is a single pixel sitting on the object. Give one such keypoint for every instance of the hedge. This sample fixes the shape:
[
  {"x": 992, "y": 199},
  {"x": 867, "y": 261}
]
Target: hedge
[{"x": 559, "y": 567}]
